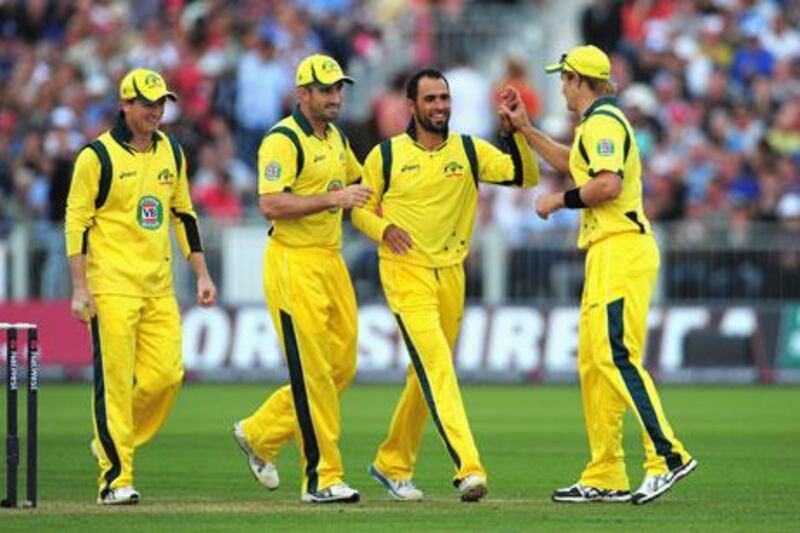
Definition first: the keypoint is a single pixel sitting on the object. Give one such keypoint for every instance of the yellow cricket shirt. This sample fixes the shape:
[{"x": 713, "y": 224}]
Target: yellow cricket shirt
[
  {"x": 604, "y": 141},
  {"x": 292, "y": 159},
  {"x": 119, "y": 203},
  {"x": 433, "y": 195}
]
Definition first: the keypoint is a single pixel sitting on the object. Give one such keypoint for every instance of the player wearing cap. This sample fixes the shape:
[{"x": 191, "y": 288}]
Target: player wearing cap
[
  {"x": 422, "y": 215},
  {"x": 126, "y": 186},
  {"x": 622, "y": 263},
  {"x": 308, "y": 175}
]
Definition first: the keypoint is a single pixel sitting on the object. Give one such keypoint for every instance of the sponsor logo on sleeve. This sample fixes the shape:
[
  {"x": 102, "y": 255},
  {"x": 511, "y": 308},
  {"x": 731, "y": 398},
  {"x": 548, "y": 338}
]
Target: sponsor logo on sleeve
[
  {"x": 273, "y": 171},
  {"x": 605, "y": 147}
]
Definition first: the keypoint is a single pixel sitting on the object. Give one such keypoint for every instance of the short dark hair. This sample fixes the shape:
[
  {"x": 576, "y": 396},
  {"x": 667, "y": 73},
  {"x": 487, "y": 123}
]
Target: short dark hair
[{"x": 412, "y": 85}]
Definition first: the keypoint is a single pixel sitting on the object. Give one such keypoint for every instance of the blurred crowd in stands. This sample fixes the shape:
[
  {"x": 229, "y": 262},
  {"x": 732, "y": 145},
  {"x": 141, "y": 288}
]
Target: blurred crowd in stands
[{"x": 712, "y": 87}]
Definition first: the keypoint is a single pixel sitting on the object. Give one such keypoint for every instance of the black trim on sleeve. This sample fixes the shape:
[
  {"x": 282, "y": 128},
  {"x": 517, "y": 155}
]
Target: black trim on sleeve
[
  {"x": 582, "y": 151},
  {"x": 386, "y": 156},
  {"x": 509, "y": 146},
  {"x": 292, "y": 136},
  {"x": 472, "y": 155},
  {"x": 192, "y": 233},
  {"x": 634, "y": 217},
  {"x": 85, "y": 242},
  {"x": 106, "y": 172}
]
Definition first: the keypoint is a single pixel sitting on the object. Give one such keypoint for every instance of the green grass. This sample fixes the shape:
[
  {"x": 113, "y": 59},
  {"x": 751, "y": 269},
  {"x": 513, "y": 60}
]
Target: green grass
[{"x": 531, "y": 439}]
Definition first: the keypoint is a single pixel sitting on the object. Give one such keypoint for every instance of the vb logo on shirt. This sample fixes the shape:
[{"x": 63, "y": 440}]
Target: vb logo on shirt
[
  {"x": 150, "y": 212},
  {"x": 453, "y": 170}
]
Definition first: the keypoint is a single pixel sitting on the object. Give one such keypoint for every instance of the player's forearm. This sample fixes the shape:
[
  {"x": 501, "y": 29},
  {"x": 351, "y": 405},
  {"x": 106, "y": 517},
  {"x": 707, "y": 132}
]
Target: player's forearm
[
  {"x": 601, "y": 189},
  {"x": 197, "y": 260},
  {"x": 77, "y": 269},
  {"x": 285, "y": 206},
  {"x": 555, "y": 153},
  {"x": 369, "y": 223}
]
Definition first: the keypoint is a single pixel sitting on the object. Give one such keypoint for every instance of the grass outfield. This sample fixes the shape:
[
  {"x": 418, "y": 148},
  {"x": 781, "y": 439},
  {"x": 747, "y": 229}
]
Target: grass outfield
[{"x": 531, "y": 438}]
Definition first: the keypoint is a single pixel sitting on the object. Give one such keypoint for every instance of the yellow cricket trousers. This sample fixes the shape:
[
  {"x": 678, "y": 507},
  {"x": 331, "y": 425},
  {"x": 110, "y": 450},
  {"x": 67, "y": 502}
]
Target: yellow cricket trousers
[
  {"x": 313, "y": 307},
  {"x": 621, "y": 271},
  {"x": 428, "y": 305},
  {"x": 138, "y": 368}
]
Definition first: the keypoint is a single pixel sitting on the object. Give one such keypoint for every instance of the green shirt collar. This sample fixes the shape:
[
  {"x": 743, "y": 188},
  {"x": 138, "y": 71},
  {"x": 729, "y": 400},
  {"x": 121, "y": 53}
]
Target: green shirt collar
[
  {"x": 610, "y": 100},
  {"x": 121, "y": 133},
  {"x": 303, "y": 122},
  {"x": 411, "y": 131}
]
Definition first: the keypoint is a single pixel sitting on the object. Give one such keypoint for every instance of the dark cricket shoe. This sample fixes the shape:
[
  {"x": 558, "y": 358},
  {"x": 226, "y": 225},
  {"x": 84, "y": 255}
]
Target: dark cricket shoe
[
  {"x": 655, "y": 486},
  {"x": 579, "y": 493}
]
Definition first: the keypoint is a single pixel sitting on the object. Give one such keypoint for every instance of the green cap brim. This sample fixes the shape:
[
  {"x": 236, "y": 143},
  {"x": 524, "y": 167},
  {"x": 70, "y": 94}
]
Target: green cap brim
[
  {"x": 345, "y": 79},
  {"x": 555, "y": 67}
]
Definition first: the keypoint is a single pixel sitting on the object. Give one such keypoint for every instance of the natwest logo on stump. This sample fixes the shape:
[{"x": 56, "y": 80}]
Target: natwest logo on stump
[{"x": 150, "y": 212}]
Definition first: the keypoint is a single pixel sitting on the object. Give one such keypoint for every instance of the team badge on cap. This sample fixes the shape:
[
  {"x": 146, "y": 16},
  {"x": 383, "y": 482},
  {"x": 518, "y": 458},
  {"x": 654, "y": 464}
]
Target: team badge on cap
[
  {"x": 320, "y": 69},
  {"x": 146, "y": 85}
]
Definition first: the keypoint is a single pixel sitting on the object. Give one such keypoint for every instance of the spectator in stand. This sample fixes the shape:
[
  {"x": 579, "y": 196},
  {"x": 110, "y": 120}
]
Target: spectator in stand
[
  {"x": 218, "y": 199},
  {"x": 601, "y": 24},
  {"x": 262, "y": 87},
  {"x": 389, "y": 109},
  {"x": 751, "y": 59},
  {"x": 471, "y": 94}
]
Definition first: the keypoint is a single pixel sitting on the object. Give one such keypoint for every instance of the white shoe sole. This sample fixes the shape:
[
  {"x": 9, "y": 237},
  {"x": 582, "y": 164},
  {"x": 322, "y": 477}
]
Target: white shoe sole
[
  {"x": 310, "y": 498},
  {"x": 681, "y": 473},
  {"x": 378, "y": 476},
  {"x": 605, "y": 499},
  {"x": 132, "y": 500},
  {"x": 246, "y": 450}
]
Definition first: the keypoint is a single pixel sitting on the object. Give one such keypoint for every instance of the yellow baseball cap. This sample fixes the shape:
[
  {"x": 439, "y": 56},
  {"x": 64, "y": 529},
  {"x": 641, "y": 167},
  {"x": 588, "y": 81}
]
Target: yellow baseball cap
[
  {"x": 586, "y": 60},
  {"x": 320, "y": 69},
  {"x": 147, "y": 85}
]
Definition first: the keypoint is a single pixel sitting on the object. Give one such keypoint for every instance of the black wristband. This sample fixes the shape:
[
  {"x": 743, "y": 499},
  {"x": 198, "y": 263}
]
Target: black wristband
[{"x": 572, "y": 199}]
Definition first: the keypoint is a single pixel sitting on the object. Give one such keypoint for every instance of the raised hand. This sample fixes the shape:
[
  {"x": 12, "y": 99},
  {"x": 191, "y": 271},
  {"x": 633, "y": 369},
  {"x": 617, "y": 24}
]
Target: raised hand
[{"x": 512, "y": 108}]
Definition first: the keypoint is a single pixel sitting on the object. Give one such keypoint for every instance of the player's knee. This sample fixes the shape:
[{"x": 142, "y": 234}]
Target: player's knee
[
  {"x": 344, "y": 376},
  {"x": 161, "y": 382}
]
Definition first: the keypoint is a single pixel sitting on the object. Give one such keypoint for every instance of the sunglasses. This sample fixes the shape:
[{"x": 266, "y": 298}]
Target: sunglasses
[{"x": 563, "y": 61}]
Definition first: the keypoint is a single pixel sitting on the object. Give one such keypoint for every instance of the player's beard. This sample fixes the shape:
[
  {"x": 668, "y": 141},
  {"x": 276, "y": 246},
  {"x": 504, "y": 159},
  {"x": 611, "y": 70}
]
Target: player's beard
[
  {"x": 429, "y": 126},
  {"x": 326, "y": 114}
]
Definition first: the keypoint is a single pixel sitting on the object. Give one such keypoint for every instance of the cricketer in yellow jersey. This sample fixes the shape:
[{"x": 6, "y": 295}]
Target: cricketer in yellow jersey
[
  {"x": 425, "y": 184},
  {"x": 126, "y": 186},
  {"x": 622, "y": 263},
  {"x": 308, "y": 175}
]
